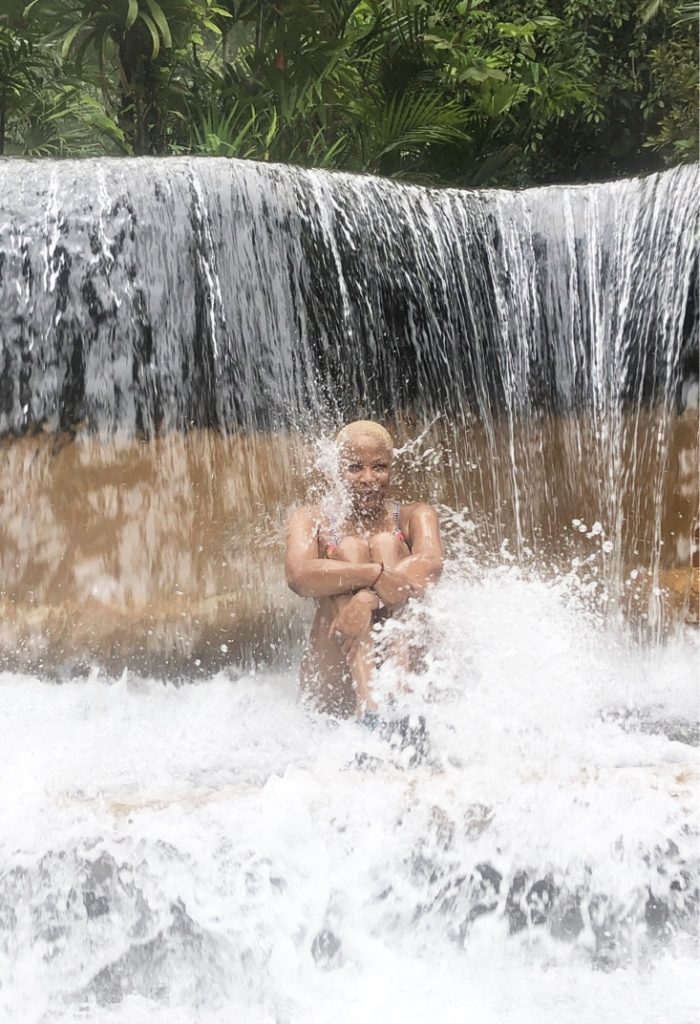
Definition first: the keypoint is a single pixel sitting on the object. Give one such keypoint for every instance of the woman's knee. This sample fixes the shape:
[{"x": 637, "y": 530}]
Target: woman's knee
[
  {"x": 386, "y": 547},
  {"x": 353, "y": 549}
]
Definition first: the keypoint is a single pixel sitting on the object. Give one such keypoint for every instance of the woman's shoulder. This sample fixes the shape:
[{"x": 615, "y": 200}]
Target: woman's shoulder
[
  {"x": 413, "y": 514},
  {"x": 306, "y": 515},
  {"x": 417, "y": 508}
]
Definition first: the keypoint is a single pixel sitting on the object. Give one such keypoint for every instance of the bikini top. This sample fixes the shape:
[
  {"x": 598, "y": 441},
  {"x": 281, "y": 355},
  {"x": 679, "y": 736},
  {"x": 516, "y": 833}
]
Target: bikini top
[{"x": 335, "y": 536}]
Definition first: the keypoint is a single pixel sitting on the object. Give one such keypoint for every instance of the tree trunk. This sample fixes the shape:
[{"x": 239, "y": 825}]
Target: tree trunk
[{"x": 139, "y": 118}]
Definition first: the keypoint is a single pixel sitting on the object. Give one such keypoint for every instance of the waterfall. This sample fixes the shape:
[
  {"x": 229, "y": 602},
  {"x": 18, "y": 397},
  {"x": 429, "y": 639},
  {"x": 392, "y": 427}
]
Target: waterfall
[
  {"x": 542, "y": 343},
  {"x": 151, "y": 295},
  {"x": 177, "y": 339}
]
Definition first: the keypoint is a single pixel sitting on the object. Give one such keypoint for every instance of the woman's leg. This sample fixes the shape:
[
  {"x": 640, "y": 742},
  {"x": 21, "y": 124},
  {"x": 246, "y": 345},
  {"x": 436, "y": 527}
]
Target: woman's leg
[
  {"x": 361, "y": 664},
  {"x": 339, "y": 685},
  {"x": 386, "y": 547},
  {"x": 325, "y": 674}
]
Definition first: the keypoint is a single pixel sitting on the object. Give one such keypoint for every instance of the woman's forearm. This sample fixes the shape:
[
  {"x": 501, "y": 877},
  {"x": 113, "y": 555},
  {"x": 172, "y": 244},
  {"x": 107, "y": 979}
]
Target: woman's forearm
[
  {"x": 420, "y": 571},
  {"x": 325, "y": 577}
]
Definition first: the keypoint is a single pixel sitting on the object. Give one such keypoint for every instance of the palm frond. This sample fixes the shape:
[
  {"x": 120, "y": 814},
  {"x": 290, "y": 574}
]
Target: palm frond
[
  {"x": 650, "y": 10},
  {"x": 412, "y": 121}
]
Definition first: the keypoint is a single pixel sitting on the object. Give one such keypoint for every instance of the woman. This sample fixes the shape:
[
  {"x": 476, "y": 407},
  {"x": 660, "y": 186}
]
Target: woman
[{"x": 362, "y": 561}]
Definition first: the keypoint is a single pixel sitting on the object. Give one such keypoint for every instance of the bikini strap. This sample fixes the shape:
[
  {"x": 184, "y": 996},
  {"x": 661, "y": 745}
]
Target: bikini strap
[
  {"x": 333, "y": 536},
  {"x": 398, "y": 532}
]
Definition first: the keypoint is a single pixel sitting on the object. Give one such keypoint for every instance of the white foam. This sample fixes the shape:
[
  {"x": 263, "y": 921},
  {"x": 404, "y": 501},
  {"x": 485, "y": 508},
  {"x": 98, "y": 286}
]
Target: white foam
[{"x": 231, "y": 834}]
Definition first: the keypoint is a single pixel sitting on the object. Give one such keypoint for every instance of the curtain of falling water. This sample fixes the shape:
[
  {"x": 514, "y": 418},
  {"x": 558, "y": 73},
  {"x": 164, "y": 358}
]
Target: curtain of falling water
[{"x": 171, "y": 330}]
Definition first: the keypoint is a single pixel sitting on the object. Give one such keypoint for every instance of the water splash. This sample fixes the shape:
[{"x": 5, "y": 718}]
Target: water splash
[
  {"x": 249, "y": 855},
  {"x": 540, "y": 343}
]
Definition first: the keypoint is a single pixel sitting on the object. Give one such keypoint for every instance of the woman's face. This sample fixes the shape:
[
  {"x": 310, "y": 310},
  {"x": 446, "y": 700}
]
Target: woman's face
[{"x": 365, "y": 466}]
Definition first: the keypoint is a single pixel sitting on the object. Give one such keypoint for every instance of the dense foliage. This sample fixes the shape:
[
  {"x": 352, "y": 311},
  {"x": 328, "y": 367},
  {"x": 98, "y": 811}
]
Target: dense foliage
[{"x": 460, "y": 91}]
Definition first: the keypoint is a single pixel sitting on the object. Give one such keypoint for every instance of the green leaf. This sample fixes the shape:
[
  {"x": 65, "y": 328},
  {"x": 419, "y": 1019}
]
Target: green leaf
[
  {"x": 272, "y": 130},
  {"x": 332, "y": 152},
  {"x": 546, "y": 21},
  {"x": 28, "y": 8},
  {"x": 687, "y": 12},
  {"x": 503, "y": 98},
  {"x": 477, "y": 75},
  {"x": 69, "y": 37},
  {"x": 82, "y": 50},
  {"x": 650, "y": 10},
  {"x": 131, "y": 14},
  {"x": 155, "y": 38},
  {"x": 161, "y": 21}
]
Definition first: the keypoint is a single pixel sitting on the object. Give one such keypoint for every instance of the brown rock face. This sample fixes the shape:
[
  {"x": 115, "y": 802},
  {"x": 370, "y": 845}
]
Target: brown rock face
[
  {"x": 150, "y": 555},
  {"x": 543, "y": 339},
  {"x": 166, "y": 556}
]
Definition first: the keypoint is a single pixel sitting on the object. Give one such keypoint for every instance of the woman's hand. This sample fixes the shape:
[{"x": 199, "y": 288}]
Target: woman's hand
[
  {"x": 393, "y": 587},
  {"x": 353, "y": 622}
]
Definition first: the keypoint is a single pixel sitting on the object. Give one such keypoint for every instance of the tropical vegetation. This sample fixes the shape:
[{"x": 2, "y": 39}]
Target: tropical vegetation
[{"x": 464, "y": 92}]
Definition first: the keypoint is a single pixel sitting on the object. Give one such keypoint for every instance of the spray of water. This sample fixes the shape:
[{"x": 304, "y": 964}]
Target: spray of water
[
  {"x": 170, "y": 334},
  {"x": 222, "y": 848}
]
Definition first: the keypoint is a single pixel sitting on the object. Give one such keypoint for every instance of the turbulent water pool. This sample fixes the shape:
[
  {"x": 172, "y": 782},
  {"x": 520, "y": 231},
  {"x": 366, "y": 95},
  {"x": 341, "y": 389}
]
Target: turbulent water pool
[{"x": 219, "y": 852}]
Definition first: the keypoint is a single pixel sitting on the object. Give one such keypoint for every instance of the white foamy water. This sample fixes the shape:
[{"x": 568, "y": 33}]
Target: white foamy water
[{"x": 217, "y": 852}]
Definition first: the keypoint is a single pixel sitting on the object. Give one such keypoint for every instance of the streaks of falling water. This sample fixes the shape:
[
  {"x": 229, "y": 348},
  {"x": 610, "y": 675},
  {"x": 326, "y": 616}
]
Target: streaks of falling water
[
  {"x": 552, "y": 298},
  {"x": 183, "y": 852},
  {"x": 550, "y": 331}
]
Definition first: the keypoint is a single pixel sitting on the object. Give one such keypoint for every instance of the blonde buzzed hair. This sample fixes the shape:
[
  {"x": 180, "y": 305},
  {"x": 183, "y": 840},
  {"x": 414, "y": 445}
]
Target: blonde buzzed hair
[{"x": 364, "y": 428}]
